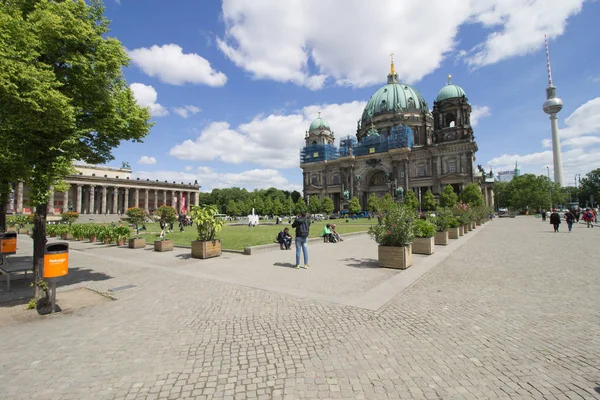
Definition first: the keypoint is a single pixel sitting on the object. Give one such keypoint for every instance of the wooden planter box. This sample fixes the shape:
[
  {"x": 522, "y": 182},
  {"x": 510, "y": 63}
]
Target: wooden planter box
[
  {"x": 11, "y": 229},
  {"x": 466, "y": 228},
  {"x": 473, "y": 225},
  {"x": 209, "y": 249},
  {"x": 423, "y": 246},
  {"x": 461, "y": 230},
  {"x": 395, "y": 257},
  {"x": 479, "y": 222},
  {"x": 453, "y": 233},
  {"x": 137, "y": 243},
  {"x": 163, "y": 245},
  {"x": 23, "y": 231},
  {"x": 66, "y": 236},
  {"x": 441, "y": 238}
]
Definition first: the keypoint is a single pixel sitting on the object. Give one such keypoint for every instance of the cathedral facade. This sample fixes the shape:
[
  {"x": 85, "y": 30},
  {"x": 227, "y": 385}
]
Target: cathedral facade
[{"x": 400, "y": 145}]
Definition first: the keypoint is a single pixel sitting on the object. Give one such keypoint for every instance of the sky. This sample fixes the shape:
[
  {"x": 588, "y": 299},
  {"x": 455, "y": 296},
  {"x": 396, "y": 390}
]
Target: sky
[{"x": 232, "y": 86}]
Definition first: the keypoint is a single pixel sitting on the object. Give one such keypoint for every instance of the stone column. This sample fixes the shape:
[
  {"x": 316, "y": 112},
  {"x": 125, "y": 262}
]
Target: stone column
[
  {"x": 492, "y": 201},
  {"x": 406, "y": 173},
  {"x": 66, "y": 199},
  {"x": 92, "y": 207},
  {"x": 115, "y": 209},
  {"x": 155, "y": 199},
  {"x": 136, "y": 198},
  {"x": 126, "y": 200},
  {"x": 196, "y": 198},
  {"x": 146, "y": 200},
  {"x": 78, "y": 206},
  {"x": 20, "y": 197},
  {"x": 103, "y": 207},
  {"x": 180, "y": 200},
  {"x": 51, "y": 201},
  {"x": 165, "y": 197}
]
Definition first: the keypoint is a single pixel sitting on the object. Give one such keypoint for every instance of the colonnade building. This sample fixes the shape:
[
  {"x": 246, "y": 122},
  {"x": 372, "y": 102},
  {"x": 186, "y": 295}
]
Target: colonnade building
[{"x": 104, "y": 190}]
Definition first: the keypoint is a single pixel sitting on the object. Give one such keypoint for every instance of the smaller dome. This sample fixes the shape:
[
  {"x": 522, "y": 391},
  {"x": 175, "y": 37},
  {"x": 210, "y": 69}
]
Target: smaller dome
[
  {"x": 450, "y": 91},
  {"x": 319, "y": 124}
]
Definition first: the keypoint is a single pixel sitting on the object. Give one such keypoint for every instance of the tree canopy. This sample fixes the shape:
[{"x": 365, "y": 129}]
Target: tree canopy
[
  {"x": 471, "y": 195},
  {"x": 428, "y": 202},
  {"x": 448, "y": 198},
  {"x": 411, "y": 201}
]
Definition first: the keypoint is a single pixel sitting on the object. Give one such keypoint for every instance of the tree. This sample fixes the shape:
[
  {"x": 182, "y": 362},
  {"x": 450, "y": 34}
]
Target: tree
[
  {"x": 300, "y": 206},
  {"x": 411, "y": 201},
  {"x": 386, "y": 202},
  {"x": 448, "y": 198},
  {"x": 529, "y": 191},
  {"x": 428, "y": 202},
  {"x": 63, "y": 96},
  {"x": 354, "y": 206},
  {"x": 327, "y": 205},
  {"x": 278, "y": 208},
  {"x": 471, "y": 195},
  {"x": 267, "y": 207},
  {"x": 314, "y": 204},
  {"x": 373, "y": 203},
  {"x": 501, "y": 194},
  {"x": 590, "y": 188},
  {"x": 232, "y": 208}
]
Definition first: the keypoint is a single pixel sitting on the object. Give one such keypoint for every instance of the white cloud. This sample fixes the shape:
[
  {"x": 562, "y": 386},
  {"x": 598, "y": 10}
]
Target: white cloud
[
  {"x": 478, "y": 112},
  {"x": 188, "y": 168},
  {"x": 210, "y": 179},
  {"x": 170, "y": 65},
  {"x": 273, "y": 141},
  {"x": 547, "y": 143},
  {"x": 145, "y": 160},
  {"x": 585, "y": 120},
  {"x": 349, "y": 41},
  {"x": 146, "y": 96},
  {"x": 185, "y": 111}
]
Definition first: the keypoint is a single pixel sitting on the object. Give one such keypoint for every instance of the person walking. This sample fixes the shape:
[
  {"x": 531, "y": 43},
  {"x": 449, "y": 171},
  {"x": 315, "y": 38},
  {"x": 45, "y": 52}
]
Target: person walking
[
  {"x": 302, "y": 225},
  {"x": 589, "y": 217},
  {"x": 570, "y": 218},
  {"x": 555, "y": 219},
  {"x": 543, "y": 215}
]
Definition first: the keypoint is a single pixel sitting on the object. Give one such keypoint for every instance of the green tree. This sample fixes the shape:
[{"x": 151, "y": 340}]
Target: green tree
[
  {"x": 327, "y": 205},
  {"x": 590, "y": 188},
  {"x": 268, "y": 207},
  {"x": 471, "y": 195},
  {"x": 386, "y": 203},
  {"x": 448, "y": 198},
  {"x": 300, "y": 206},
  {"x": 501, "y": 194},
  {"x": 354, "y": 206},
  {"x": 232, "y": 208},
  {"x": 411, "y": 201},
  {"x": 373, "y": 203},
  {"x": 62, "y": 94},
  {"x": 278, "y": 208},
  {"x": 428, "y": 202},
  {"x": 314, "y": 204},
  {"x": 529, "y": 191}
]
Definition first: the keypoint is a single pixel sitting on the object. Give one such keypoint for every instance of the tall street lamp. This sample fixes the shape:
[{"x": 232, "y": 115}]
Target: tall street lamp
[{"x": 550, "y": 187}]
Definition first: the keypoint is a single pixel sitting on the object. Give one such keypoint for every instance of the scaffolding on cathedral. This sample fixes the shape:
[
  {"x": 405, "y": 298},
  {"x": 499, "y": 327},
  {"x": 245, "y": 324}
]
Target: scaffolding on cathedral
[
  {"x": 346, "y": 145},
  {"x": 318, "y": 152}
]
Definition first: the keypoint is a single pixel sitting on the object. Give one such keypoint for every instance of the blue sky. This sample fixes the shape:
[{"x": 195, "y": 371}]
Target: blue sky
[{"x": 233, "y": 85}]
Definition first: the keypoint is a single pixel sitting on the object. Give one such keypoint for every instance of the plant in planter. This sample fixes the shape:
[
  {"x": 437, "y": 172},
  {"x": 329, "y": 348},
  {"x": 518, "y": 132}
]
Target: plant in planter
[
  {"x": 454, "y": 226},
  {"x": 136, "y": 216},
  {"x": 208, "y": 226},
  {"x": 90, "y": 232},
  {"x": 68, "y": 218},
  {"x": 51, "y": 230},
  {"x": 109, "y": 235},
  {"x": 424, "y": 242},
  {"x": 442, "y": 224},
  {"x": 394, "y": 234},
  {"x": 20, "y": 222},
  {"x": 120, "y": 234},
  {"x": 166, "y": 215},
  {"x": 62, "y": 230},
  {"x": 76, "y": 230}
]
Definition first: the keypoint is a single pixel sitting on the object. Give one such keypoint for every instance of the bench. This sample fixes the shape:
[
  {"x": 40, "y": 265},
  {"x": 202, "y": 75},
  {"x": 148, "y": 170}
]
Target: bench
[{"x": 7, "y": 269}]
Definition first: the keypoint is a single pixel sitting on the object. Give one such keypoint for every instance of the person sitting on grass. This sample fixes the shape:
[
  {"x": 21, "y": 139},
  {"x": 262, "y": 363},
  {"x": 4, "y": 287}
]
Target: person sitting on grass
[
  {"x": 284, "y": 239},
  {"x": 326, "y": 234},
  {"x": 336, "y": 236}
]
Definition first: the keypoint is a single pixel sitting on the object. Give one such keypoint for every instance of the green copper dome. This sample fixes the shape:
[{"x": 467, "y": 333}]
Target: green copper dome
[
  {"x": 319, "y": 124},
  {"x": 450, "y": 91},
  {"x": 394, "y": 98}
]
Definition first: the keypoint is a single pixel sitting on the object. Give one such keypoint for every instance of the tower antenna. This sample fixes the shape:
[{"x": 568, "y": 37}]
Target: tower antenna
[{"x": 548, "y": 61}]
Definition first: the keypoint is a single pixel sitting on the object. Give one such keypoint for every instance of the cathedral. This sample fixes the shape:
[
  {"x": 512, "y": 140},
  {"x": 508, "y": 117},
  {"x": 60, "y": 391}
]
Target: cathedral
[{"x": 400, "y": 145}]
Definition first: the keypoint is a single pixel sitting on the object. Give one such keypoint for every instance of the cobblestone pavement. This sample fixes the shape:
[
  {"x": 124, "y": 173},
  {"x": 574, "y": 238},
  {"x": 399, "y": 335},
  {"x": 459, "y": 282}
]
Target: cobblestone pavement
[{"x": 512, "y": 313}]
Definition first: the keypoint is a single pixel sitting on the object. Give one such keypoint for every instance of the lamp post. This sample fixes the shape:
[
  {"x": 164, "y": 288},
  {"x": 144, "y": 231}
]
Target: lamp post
[{"x": 550, "y": 188}]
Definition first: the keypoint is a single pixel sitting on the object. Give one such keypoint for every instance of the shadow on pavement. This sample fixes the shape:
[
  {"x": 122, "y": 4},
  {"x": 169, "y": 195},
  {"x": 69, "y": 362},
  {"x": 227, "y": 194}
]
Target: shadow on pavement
[
  {"x": 282, "y": 264},
  {"x": 184, "y": 256},
  {"x": 361, "y": 262},
  {"x": 20, "y": 287}
]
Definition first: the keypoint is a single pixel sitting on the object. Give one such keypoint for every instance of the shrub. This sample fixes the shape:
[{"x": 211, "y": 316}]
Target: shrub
[
  {"x": 453, "y": 222},
  {"x": 69, "y": 217},
  {"x": 424, "y": 228},
  {"x": 121, "y": 232},
  {"x": 206, "y": 222},
  {"x": 395, "y": 227},
  {"x": 136, "y": 216},
  {"x": 442, "y": 220}
]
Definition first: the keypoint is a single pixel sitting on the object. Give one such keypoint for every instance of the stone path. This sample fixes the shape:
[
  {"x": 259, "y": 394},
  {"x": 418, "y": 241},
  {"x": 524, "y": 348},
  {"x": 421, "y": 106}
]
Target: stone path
[{"x": 511, "y": 313}]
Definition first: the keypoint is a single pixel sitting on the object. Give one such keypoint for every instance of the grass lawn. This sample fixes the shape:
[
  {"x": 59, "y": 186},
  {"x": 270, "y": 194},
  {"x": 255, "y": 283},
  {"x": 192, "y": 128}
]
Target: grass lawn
[{"x": 236, "y": 237}]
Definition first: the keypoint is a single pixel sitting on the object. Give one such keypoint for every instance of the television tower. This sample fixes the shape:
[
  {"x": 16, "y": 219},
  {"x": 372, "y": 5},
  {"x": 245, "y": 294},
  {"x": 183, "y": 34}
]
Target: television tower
[{"x": 552, "y": 106}]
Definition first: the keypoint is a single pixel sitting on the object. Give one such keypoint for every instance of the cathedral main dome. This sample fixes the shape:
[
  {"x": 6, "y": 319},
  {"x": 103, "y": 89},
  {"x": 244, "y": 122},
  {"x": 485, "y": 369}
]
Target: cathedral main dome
[{"x": 395, "y": 97}]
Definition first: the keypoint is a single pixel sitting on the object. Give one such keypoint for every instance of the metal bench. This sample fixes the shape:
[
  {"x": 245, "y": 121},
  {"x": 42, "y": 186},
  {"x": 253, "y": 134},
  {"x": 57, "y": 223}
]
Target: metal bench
[{"x": 8, "y": 269}]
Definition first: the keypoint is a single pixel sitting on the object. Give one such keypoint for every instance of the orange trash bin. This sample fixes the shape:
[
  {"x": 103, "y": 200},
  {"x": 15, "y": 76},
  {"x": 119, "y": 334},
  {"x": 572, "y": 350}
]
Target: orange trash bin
[
  {"x": 56, "y": 260},
  {"x": 8, "y": 243}
]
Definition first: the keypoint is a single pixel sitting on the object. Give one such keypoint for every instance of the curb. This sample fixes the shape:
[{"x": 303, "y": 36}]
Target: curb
[{"x": 275, "y": 246}]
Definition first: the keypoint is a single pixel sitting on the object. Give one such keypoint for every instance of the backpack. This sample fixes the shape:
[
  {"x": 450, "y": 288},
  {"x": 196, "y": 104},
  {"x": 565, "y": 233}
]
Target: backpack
[{"x": 302, "y": 228}]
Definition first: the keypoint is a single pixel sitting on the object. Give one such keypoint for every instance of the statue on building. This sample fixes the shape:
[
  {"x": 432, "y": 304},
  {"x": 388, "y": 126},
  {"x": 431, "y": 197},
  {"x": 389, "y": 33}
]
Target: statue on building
[
  {"x": 346, "y": 195},
  {"x": 125, "y": 165}
]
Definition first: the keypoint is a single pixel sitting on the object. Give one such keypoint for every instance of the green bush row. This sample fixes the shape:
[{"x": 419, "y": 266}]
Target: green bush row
[{"x": 90, "y": 231}]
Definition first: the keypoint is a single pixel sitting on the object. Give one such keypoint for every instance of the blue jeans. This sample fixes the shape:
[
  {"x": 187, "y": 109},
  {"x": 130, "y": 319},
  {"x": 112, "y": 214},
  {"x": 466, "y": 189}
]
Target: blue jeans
[{"x": 301, "y": 242}]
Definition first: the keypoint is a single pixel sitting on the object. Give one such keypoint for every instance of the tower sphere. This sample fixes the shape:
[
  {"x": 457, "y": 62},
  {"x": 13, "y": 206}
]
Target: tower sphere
[{"x": 552, "y": 106}]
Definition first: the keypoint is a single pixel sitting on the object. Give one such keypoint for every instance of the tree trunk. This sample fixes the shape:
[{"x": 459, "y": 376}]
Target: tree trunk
[
  {"x": 39, "y": 245},
  {"x": 4, "y": 196}
]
